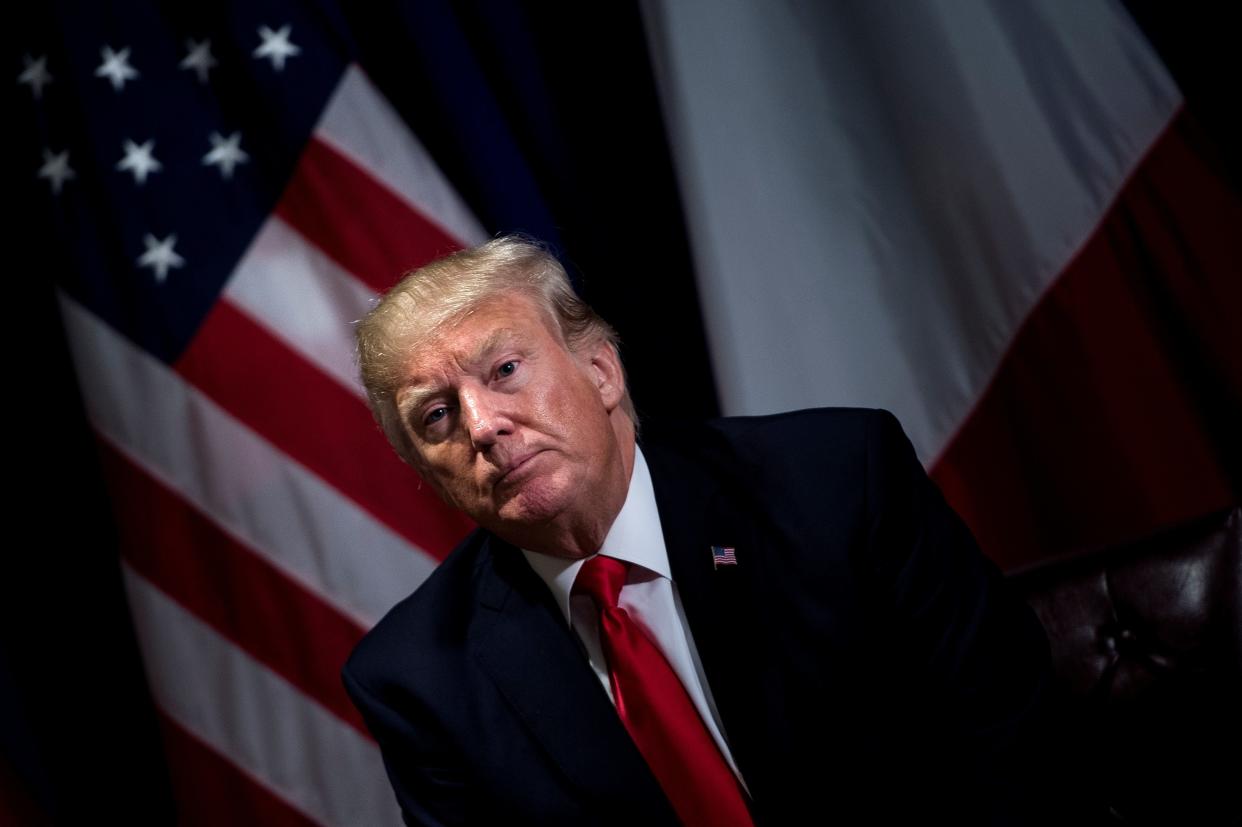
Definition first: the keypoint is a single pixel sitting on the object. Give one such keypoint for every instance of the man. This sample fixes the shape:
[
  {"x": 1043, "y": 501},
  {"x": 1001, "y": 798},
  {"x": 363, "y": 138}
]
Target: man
[{"x": 803, "y": 631}]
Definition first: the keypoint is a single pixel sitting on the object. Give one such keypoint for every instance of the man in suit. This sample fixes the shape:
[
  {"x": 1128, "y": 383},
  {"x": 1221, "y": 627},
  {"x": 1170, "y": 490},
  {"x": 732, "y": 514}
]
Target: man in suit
[{"x": 799, "y": 628}]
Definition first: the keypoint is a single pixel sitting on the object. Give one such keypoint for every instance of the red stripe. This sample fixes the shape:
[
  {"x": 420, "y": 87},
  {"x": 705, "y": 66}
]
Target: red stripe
[
  {"x": 317, "y": 422},
  {"x": 1117, "y": 410},
  {"x": 357, "y": 221},
  {"x": 227, "y": 586},
  {"x": 210, "y": 790}
]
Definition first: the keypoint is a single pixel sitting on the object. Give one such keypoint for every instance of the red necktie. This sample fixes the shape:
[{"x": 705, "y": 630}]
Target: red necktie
[{"x": 656, "y": 710}]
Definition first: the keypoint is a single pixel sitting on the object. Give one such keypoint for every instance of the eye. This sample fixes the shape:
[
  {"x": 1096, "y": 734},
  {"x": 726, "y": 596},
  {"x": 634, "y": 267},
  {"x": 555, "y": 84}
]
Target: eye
[
  {"x": 506, "y": 369},
  {"x": 435, "y": 415}
]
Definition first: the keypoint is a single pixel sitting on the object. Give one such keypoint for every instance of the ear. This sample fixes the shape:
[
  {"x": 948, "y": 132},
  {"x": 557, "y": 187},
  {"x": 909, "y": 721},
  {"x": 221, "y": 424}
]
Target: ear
[{"x": 605, "y": 371}]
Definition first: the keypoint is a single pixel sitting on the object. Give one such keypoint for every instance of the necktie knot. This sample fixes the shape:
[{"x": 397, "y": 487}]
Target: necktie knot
[{"x": 601, "y": 578}]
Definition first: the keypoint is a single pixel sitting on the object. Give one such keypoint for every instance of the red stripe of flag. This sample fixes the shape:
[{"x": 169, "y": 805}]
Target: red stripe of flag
[
  {"x": 357, "y": 221},
  {"x": 317, "y": 422},
  {"x": 1114, "y": 411},
  {"x": 227, "y": 586},
  {"x": 210, "y": 790}
]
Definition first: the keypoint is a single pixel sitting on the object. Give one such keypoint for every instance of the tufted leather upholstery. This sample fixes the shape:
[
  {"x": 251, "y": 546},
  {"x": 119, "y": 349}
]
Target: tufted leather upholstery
[{"x": 1147, "y": 649}]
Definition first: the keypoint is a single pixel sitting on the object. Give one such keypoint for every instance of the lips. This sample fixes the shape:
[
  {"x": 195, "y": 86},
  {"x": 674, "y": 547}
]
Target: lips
[{"x": 515, "y": 465}]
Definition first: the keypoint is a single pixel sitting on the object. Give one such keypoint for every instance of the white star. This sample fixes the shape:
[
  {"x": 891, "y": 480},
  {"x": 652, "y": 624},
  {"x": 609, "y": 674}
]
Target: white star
[
  {"x": 139, "y": 160},
  {"x": 56, "y": 169},
  {"x": 225, "y": 154},
  {"x": 276, "y": 46},
  {"x": 36, "y": 75},
  {"x": 199, "y": 59},
  {"x": 115, "y": 67},
  {"x": 160, "y": 256}
]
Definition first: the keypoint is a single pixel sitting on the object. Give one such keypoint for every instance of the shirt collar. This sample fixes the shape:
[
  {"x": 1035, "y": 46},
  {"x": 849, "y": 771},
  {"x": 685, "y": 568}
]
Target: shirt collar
[{"x": 635, "y": 537}]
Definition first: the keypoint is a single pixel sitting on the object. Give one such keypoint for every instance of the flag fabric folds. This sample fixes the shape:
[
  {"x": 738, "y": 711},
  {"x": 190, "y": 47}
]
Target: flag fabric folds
[
  {"x": 232, "y": 192},
  {"x": 994, "y": 220}
]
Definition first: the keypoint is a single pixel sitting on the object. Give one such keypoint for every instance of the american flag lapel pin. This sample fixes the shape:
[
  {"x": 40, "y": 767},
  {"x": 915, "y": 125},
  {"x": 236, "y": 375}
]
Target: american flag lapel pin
[{"x": 723, "y": 556}]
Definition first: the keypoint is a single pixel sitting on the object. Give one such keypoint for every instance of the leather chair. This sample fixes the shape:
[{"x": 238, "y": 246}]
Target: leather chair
[{"x": 1147, "y": 649}]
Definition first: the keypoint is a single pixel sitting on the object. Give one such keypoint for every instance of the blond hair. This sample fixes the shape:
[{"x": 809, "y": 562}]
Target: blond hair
[{"x": 445, "y": 291}]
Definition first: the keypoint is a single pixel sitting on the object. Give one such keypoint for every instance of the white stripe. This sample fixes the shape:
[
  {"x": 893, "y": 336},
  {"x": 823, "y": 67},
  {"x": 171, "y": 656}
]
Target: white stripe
[
  {"x": 879, "y": 193},
  {"x": 273, "y": 505},
  {"x": 300, "y": 752},
  {"x": 299, "y": 294},
  {"x": 303, "y": 298},
  {"x": 364, "y": 127}
]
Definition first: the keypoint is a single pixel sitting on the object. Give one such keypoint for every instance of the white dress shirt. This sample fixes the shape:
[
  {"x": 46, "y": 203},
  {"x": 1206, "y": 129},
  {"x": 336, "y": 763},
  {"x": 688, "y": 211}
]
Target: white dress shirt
[{"x": 649, "y": 596}]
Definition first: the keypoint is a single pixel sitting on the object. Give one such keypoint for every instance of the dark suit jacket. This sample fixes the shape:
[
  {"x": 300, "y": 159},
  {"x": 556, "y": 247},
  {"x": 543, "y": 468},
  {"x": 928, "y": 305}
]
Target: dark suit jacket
[{"x": 867, "y": 661}]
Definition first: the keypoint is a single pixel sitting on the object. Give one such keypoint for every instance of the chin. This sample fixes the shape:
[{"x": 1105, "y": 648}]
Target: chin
[{"x": 535, "y": 504}]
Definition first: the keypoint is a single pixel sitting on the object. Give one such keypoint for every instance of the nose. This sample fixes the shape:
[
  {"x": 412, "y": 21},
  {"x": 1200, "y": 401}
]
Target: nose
[{"x": 485, "y": 416}]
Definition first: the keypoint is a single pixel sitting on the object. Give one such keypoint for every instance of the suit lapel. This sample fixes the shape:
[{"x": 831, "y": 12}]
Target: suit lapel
[
  {"x": 699, "y": 510},
  {"x": 537, "y": 664}
]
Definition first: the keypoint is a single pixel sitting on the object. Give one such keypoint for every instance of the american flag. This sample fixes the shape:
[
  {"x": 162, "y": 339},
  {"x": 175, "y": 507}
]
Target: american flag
[
  {"x": 723, "y": 556},
  {"x": 232, "y": 192}
]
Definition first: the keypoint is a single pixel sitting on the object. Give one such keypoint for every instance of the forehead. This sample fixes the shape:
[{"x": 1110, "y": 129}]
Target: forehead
[{"x": 492, "y": 323}]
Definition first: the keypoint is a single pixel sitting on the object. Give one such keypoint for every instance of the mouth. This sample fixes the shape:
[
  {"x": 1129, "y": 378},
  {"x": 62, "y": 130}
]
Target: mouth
[{"x": 513, "y": 471}]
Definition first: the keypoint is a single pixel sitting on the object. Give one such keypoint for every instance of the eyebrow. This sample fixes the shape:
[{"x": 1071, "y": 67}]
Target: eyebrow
[
  {"x": 417, "y": 396},
  {"x": 494, "y": 340}
]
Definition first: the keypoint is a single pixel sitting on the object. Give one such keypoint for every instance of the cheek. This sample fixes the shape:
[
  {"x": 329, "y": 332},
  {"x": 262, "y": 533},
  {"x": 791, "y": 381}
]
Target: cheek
[
  {"x": 550, "y": 408},
  {"x": 448, "y": 471},
  {"x": 568, "y": 405}
]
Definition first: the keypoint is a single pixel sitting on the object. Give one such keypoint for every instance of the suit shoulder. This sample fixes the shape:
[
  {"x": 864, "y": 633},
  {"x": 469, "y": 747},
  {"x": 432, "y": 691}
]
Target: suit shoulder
[
  {"x": 433, "y": 618},
  {"x": 795, "y": 445},
  {"x": 801, "y": 466},
  {"x": 808, "y": 435}
]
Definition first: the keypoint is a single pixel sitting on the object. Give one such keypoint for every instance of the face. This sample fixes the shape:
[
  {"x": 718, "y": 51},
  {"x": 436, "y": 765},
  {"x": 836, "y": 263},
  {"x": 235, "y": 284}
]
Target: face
[{"x": 514, "y": 429}]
